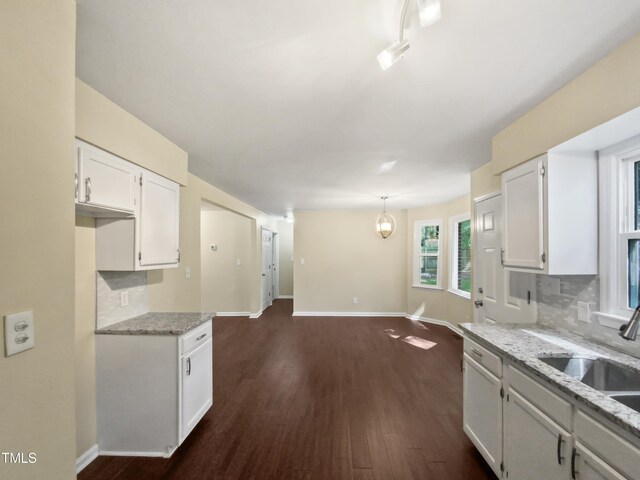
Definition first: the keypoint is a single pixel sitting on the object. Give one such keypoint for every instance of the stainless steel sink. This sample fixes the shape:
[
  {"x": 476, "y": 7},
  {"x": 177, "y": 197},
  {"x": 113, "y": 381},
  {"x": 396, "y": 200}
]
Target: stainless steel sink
[
  {"x": 631, "y": 400},
  {"x": 620, "y": 383}
]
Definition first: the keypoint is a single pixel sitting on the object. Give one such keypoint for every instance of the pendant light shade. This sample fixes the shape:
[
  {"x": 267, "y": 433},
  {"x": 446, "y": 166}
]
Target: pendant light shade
[{"x": 385, "y": 224}]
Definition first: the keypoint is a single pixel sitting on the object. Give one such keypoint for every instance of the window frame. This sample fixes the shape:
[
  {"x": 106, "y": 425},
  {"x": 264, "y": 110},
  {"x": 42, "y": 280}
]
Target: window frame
[
  {"x": 418, "y": 225},
  {"x": 616, "y": 189},
  {"x": 453, "y": 254}
]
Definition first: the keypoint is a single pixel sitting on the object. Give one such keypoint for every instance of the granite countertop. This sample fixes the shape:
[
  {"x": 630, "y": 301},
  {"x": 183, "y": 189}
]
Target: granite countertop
[
  {"x": 523, "y": 344},
  {"x": 157, "y": 323}
]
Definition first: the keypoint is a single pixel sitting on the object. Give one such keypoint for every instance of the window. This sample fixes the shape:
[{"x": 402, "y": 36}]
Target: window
[
  {"x": 460, "y": 255},
  {"x": 427, "y": 246},
  {"x": 620, "y": 232}
]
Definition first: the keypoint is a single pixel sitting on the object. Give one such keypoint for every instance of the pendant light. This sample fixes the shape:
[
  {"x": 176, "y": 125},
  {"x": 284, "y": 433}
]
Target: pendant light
[{"x": 385, "y": 224}]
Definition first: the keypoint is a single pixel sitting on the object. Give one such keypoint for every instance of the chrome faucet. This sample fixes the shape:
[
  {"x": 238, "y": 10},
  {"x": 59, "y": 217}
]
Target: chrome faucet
[{"x": 630, "y": 330}]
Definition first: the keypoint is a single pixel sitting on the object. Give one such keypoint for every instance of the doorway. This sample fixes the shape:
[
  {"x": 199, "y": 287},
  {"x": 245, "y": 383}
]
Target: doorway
[
  {"x": 500, "y": 295},
  {"x": 267, "y": 268}
]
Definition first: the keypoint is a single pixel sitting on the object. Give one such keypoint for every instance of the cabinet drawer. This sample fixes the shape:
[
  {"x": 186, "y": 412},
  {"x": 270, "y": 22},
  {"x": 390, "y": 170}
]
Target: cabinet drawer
[
  {"x": 555, "y": 407},
  {"x": 195, "y": 337},
  {"x": 618, "y": 452},
  {"x": 484, "y": 357}
]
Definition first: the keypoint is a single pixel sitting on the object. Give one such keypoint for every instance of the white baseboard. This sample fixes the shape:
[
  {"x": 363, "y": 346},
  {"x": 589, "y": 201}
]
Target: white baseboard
[
  {"x": 435, "y": 321},
  {"x": 256, "y": 315},
  {"x": 86, "y": 458},
  {"x": 349, "y": 314},
  {"x": 285, "y": 297},
  {"x": 233, "y": 314},
  {"x": 138, "y": 454}
]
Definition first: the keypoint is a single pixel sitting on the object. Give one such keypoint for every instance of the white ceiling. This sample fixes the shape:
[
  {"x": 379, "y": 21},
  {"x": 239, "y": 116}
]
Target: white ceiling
[{"x": 282, "y": 104}]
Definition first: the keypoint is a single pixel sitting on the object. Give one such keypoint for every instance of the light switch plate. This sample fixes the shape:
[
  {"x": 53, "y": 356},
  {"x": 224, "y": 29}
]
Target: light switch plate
[
  {"x": 238, "y": 261},
  {"x": 124, "y": 298},
  {"x": 187, "y": 272},
  {"x": 18, "y": 333}
]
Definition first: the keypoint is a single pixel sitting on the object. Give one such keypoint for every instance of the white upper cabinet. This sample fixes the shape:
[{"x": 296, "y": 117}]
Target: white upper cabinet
[
  {"x": 105, "y": 184},
  {"x": 551, "y": 215},
  {"x": 159, "y": 221},
  {"x": 151, "y": 239}
]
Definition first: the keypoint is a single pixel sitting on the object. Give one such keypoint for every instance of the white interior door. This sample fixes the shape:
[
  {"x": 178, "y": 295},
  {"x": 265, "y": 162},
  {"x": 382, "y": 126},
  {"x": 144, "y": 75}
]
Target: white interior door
[
  {"x": 500, "y": 295},
  {"x": 276, "y": 265},
  {"x": 267, "y": 268}
]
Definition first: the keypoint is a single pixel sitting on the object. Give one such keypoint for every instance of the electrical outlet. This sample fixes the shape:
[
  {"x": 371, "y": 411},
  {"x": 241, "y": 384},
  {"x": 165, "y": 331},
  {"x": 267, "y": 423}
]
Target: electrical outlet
[
  {"x": 238, "y": 261},
  {"x": 187, "y": 272},
  {"x": 302, "y": 261},
  {"x": 355, "y": 300},
  {"x": 583, "y": 312},
  {"x": 124, "y": 298},
  {"x": 18, "y": 333}
]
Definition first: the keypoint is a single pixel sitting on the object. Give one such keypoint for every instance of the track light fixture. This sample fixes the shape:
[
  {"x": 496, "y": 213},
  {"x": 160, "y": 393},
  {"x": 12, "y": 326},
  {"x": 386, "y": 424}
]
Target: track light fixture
[{"x": 430, "y": 12}]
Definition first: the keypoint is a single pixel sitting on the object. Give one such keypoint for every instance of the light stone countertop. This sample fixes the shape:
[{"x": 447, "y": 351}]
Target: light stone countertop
[
  {"x": 157, "y": 323},
  {"x": 523, "y": 344}
]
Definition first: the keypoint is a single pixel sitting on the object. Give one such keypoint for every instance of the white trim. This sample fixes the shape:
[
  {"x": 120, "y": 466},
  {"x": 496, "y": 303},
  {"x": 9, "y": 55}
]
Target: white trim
[
  {"x": 453, "y": 254},
  {"x": 284, "y": 297},
  {"x": 482, "y": 198},
  {"x": 256, "y": 315},
  {"x": 609, "y": 320},
  {"x": 615, "y": 229},
  {"x": 417, "y": 229},
  {"x": 233, "y": 314},
  {"x": 349, "y": 314},
  {"x": 86, "y": 458},
  {"x": 460, "y": 293},
  {"x": 435, "y": 321},
  {"x": 430, "y": 287},
  {"x": 138, "y": 454}
]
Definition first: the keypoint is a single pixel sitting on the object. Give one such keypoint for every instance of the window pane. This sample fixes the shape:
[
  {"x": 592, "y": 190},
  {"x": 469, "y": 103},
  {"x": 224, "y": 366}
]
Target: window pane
[
  {"x": 464, "y": 256},
  {"x": 634, "y": 273},
  {"x": 428, "y": 270},
  {"x": 636, "y": 199},
  {"x": 429, "y": 239}
]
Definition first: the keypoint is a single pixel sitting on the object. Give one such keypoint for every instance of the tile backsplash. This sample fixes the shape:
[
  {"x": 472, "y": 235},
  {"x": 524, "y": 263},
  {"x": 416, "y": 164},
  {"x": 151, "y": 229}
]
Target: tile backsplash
[
  {"x": 560, "y": 310},
  {"x": 109, "y": 286}
]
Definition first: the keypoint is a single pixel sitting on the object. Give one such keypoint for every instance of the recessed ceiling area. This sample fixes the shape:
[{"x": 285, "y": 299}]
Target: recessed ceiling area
[{"x": 283, "y": 103}]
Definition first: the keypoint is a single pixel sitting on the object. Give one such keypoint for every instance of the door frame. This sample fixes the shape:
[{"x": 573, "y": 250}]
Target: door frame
[
  {"x": 474, "y": 248},
  {"x": 275, "y": 270},
  {"x": 263, "y": 305}
]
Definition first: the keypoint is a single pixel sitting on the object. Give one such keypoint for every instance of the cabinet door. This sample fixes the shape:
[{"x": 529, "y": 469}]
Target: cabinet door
[
  {"x": 535, "y": 447},
  {"x": 523, "y": 207},
  {"x": 587, "y": 466},
  {"x": 197, "y": 386},
  {"x": 104, "y": 180},
  {"x": 482, "y": 408},
  {"x": 159, "y": 221}
]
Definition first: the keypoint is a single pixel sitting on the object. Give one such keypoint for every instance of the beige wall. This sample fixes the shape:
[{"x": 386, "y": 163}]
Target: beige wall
[
  {"x": 344, "y": 258},
  {"x": 37, "y": 241},
  {"x": 605, "y": 91},
  {"x": 169, "y": 290},
  {"x": 85, "y": 353},
  {"x": 225, "y": 285},
  {"x": 285, "y": 239},
  {"x": 484, "y": 182},
  {"x": 430, "y": 303},
  {"x": 103, "y": 123}
]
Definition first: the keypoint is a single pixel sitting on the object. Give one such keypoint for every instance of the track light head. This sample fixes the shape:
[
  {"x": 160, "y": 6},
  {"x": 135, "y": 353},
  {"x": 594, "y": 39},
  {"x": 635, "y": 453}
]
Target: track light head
[
  {"x": 392, "y": 54},
  {"x": 430, "y": 12}
]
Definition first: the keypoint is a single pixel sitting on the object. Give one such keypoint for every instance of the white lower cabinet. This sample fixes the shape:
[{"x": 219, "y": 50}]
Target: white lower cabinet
[
  {"x": 587, "y": 466},
  {"x": 151, "y": 390},
  {"x": 482, "y": 409},
  {"x": 535, "y": 446},
  {"x": 197, "y": 375},
  {"x": 533, "y": 432}
]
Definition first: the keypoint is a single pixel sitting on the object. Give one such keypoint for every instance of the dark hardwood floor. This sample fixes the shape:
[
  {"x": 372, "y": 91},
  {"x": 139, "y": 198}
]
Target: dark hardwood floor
[{"x": 323, "y": 398}]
